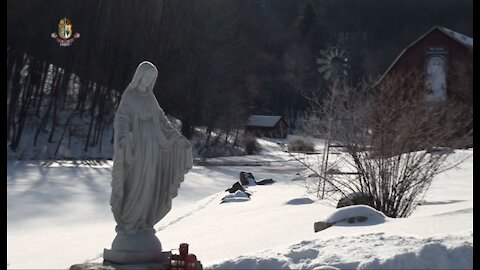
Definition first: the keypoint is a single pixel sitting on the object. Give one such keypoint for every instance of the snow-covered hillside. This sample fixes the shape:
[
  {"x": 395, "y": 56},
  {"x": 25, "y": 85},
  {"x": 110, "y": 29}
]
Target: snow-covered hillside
[{"x": 58, "y": 215}]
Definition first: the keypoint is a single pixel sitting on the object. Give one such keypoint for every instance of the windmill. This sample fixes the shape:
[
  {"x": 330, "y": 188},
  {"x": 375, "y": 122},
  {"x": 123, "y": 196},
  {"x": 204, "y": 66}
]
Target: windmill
[{"x": 333, "y": 64}]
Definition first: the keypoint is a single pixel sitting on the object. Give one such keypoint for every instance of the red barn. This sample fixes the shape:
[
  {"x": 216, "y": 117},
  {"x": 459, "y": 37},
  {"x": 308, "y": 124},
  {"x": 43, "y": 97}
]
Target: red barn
[
  {"x": 445, "y": 59},
  {"x": 435, "y": 53}
]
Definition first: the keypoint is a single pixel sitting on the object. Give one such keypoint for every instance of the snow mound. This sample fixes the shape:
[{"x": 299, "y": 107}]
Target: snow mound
[
  {"x": 363, "y": 252},
  {"x": 430, "y": 256},
  {"x": 245, "y": 262},
  {"x": 238, "y": 196},
  {"x": 345, "y": 213},
  {"x": 300, "y": 201}
]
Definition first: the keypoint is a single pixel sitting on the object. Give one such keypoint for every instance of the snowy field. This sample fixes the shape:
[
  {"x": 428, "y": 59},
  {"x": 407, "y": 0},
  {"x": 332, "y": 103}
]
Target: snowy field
[{"x": 59, "y": 215}]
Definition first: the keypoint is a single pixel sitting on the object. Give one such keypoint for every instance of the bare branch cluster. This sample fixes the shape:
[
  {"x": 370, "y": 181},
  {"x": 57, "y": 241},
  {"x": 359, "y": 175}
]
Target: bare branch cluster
[{"x": 393, "y": 140}]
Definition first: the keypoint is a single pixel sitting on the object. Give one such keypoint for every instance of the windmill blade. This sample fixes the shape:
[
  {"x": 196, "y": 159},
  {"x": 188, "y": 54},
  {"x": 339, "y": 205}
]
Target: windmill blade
[
  {"x": 325, "y": 53},
  {"x": 327, "y": 74},
  {"x": 323, "y": 68},
  {"x": 323, "y": 61}
]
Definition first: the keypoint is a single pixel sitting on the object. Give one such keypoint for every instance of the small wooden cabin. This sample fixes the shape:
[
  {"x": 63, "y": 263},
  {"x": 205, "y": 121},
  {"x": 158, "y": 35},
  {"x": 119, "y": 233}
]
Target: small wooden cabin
[{"x": 272, "y": 126}]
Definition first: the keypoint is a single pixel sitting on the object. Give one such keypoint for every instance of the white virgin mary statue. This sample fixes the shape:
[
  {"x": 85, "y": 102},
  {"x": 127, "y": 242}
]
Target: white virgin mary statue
[
  {"x": 150, "y": 156},
  {"x": 149, "y": 163}
]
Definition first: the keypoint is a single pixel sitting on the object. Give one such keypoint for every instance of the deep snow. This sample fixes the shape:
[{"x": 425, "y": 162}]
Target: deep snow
[{"x": 58, "y": 215}]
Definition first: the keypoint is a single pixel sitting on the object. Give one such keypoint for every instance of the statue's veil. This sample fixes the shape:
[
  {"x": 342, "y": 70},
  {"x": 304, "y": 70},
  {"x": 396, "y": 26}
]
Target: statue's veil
[{"x": 144, "y": 67}]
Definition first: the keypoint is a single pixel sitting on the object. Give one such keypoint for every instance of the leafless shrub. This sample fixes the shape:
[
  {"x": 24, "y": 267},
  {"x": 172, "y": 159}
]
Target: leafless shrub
[
  {"x": 387, "y": 132},
  {"x": 301, "y": 145},
  {"x": 250, "y": 144}
]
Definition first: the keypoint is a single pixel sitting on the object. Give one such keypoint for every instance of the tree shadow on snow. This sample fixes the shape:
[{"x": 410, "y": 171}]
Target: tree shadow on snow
[{"x": 38, "y": 191}]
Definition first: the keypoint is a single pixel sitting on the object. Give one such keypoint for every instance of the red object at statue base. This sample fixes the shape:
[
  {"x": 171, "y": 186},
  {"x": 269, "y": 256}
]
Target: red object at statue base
[{"x": 184, "y": 261}]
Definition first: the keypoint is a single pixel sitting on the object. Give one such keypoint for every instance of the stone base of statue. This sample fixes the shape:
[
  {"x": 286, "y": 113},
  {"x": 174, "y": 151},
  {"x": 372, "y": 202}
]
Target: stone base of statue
[{"x": 142, "y": 250}]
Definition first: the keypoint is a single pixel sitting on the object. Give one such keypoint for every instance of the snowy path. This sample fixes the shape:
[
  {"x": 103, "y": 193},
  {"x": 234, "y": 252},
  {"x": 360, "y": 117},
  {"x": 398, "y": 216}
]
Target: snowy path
[{"x": 190, "y": 213}]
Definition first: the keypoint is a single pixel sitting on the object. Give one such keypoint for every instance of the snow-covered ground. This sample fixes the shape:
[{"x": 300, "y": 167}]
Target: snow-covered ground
[{"x": 59, "y": 215}]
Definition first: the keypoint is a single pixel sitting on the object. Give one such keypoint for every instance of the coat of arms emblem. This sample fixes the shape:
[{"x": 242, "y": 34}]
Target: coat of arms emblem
[
  {"x": 65, "y": 36},
  {"x": 65, "y": 28}
]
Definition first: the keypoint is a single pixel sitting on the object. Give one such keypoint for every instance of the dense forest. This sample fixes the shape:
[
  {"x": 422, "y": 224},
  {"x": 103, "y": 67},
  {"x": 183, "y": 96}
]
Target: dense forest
[{"x": 219, "y": 61}]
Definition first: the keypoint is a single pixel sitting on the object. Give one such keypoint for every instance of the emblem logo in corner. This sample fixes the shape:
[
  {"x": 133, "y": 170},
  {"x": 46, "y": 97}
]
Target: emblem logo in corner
[{"x": 65, "y": 36}]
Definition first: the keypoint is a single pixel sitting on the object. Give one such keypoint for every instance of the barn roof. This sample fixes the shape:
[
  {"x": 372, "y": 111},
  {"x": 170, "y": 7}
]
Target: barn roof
[
  {"x": 462, "y": 39},
  {"x": 263, "y": 120}
]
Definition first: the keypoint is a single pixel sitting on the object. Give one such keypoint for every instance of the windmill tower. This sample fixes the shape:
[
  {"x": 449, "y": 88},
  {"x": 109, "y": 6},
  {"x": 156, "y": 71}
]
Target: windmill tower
[{"x": 333, "y": 65}]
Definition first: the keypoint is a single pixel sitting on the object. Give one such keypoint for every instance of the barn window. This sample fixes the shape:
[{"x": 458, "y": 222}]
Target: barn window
[{"x": 436, "y": 73}]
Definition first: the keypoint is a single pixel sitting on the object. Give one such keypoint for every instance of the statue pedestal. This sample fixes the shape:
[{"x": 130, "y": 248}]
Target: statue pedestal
[{"x": 136, "y": 251}]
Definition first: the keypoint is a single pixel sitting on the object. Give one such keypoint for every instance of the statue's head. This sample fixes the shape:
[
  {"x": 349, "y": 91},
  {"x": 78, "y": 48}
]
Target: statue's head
[{"x": 144, "y": 78}]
